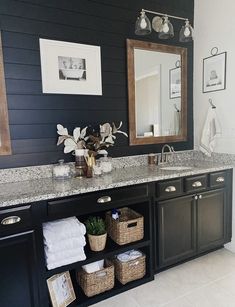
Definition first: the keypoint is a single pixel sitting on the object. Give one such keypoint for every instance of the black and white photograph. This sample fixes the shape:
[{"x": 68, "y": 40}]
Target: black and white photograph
[
  {"x": 175, "y": 83},
  {"x": 214, "y": 73},
  {"x": 72, "y": 68},
  {"x": 61, "y": 290}
]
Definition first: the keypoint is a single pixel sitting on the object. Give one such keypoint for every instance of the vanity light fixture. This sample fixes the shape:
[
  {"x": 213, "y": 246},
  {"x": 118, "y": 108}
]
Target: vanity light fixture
[
  {"x": 143, "y": 25},
  {"x": 167, "y": 30},
  {"x": 163, "y": 26}
]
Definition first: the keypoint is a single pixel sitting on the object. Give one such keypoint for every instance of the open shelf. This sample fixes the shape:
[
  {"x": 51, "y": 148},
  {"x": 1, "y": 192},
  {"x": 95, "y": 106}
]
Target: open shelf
[
  {"x": 82, "y": 300},
  {"x": 110, "y": 250}
]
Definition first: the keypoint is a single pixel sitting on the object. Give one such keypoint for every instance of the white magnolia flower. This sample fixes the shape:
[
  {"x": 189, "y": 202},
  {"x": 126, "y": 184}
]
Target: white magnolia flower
[
  {"x": 61, "y": 130},
  {"x": 71, "y": 143}
]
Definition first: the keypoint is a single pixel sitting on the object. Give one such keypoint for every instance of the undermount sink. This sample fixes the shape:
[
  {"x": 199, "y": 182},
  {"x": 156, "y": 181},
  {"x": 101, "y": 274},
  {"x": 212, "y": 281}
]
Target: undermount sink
[{"x": 176, "y": 168}]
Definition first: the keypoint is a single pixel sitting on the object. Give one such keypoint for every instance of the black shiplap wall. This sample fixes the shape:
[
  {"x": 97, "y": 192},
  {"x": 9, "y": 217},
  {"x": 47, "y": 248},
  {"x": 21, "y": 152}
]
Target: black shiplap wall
[{"x": 33, "y": 116}]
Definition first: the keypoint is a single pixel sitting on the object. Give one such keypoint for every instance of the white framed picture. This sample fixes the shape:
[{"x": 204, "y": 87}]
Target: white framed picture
[
  {"x": 70, "y": 68},
  {"x": 214, "y": 73},
  {"x": 175, "y": 83},
  {"x": 61, "y": 290}
]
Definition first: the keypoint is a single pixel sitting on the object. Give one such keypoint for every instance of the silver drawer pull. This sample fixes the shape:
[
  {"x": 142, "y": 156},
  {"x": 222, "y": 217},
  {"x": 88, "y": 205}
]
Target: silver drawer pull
[
  {"x": 11, "y": 220},
  {"x": 104, "y": 199},
  {"x": 220, "y": 179},
  {"x": 197, "y": 184},
  {"x": 170, "y": 189}
]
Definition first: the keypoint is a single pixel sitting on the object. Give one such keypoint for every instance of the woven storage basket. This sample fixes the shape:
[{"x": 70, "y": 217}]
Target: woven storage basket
[
  {"x": 131, "y": 270},
  {"x": 97, "y": 282},
  {"x": 128, "y": 228}
]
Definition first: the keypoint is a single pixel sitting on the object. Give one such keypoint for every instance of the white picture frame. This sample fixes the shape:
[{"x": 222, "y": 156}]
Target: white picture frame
[
  {"x": 175, "y": 82},
  {"x": 214, "y": 73},
  {"x": 61, "y": 290},
  {"x": 70, "y": 68}
]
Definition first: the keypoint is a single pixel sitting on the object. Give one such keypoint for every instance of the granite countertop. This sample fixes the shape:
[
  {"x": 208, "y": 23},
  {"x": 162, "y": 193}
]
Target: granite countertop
[{"x": 43, "y": 189}]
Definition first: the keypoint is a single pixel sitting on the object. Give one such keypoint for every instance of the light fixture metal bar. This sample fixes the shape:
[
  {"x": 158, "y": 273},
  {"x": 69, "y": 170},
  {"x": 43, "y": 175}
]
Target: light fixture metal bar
[{"x": 161, "y": 14}]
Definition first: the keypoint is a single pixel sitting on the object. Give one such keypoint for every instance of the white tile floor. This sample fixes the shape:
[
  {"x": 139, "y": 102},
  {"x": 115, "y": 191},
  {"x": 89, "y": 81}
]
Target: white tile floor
[{"x": 208, "y": 281}]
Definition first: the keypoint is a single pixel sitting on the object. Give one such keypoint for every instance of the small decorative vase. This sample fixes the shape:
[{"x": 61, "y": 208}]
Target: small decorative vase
[
  {"x": 80, "y": 163},
  {"x": 97, "y": 243}
]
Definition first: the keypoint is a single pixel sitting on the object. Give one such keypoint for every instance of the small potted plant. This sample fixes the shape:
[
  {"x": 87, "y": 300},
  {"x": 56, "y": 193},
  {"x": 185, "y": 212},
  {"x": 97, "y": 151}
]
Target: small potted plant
[{"x": 97, "y": 234}]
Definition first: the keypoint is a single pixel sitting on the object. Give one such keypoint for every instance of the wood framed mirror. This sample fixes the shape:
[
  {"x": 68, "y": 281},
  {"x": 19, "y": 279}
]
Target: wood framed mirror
[
  {"x": 157, "y": 92},
  {"x": 5, "y": 141}
]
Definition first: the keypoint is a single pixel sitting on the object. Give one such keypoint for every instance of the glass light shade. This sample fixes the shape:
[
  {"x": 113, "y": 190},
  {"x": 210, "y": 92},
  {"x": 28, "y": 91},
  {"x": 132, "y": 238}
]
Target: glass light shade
[
  {"x": 167, "y": 30},
  {"x": 186, "y": 33},
  {"x": 143, "y": 25}
]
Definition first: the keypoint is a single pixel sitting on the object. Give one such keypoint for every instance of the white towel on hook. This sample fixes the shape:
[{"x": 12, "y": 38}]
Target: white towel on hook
[{"x": 211, "y": 130}]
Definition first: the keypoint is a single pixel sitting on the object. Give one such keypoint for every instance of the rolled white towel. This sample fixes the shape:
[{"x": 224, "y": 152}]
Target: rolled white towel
[
  {"x": 129, "y": 255},
  {"x": 59, "y": 256},
  {"x": 66, "y": 244},
  {"x": 65, "y": 261},
  {"x": 94, "y": 266},
  {"x": 62, "y": 229}
]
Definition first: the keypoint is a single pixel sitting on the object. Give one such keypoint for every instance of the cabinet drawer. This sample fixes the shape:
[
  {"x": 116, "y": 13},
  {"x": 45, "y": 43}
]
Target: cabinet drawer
[
  {"x": 97, "y": 201},
  {"x": 14, "y": 220},
  {"x": 196, "y": 183},
  {"x": 218, "y": 179},
  {"x": 171, "y": 188}
]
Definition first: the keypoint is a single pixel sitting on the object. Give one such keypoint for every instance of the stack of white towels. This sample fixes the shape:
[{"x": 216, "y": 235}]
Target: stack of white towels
[{"x": 64, "y": 242}]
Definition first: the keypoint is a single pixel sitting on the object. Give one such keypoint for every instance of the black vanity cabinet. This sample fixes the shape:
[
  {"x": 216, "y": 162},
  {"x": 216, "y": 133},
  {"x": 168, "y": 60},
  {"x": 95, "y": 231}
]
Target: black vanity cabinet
[
  {"x": 183, "y": 218},
  {"x": 176, "y": 226},
  {"x": 192, "y": 216},
  {"x": 211, "y": 219},
  {"x": 18, "y": 268}
]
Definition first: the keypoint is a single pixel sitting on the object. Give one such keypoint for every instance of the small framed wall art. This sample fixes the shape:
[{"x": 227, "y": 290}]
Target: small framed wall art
[
  {"x": 175, "y": 82},
  {"x": 214, "y": 72},
  {"x": 61, "y": 290},
  {"x": 70, "y": 68}
]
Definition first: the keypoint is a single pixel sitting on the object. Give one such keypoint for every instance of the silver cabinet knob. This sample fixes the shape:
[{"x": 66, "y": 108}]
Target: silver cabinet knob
[
  {"x": 200, "y": 196},
  {"x": 170, "y": 189},
  {"x": 220, "y": 179},
  {"x": 104, "y": 199},
  {"x": 197, "y": 184},
  {"x": 10, "y": 220},
  {"x": 196, "y": 197}
]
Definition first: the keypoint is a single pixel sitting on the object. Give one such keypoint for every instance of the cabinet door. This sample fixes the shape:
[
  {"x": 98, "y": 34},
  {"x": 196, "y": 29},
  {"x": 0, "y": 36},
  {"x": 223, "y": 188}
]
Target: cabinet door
[
  {"x": 18, "y": 271},
  {"x": 211, "y": 212},
  {"x": 176, "y": 226}
]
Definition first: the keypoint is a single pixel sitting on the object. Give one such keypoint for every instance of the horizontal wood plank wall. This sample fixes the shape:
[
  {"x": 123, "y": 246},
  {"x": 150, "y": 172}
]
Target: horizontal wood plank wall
[{"x": 32, "y": 115}]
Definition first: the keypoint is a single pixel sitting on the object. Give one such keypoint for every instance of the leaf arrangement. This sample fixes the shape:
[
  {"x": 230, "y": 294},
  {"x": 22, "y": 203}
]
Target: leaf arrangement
[
  {"x": 94, "y": 141},
  {"x": 95, "y": 226}
]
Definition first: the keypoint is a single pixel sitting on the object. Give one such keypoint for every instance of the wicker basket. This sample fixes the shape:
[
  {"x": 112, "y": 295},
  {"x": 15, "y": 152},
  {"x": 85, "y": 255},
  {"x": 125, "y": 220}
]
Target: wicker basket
[
  {"x": 97, "y": 282},
  {"x": 131, "y": 270},
  {"x": 128, "y": 228}
]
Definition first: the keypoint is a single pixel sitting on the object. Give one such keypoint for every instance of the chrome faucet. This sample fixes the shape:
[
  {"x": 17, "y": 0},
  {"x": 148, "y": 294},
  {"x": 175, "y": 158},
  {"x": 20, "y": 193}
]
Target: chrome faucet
[{"x": 165, "y": 155}]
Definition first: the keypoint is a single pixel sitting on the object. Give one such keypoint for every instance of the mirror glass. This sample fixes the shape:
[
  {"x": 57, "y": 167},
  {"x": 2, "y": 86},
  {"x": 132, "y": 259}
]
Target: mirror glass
[{"x": 157, "y": 95}]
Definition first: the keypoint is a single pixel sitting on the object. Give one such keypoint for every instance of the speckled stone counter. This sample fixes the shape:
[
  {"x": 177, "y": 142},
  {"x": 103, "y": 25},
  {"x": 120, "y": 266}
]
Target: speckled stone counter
[{"x": 46, "y": 188}]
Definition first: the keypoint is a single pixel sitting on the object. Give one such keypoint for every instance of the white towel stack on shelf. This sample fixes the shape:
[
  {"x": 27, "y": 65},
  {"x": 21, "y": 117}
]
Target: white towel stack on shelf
[{"x": 64, "y": 242}]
